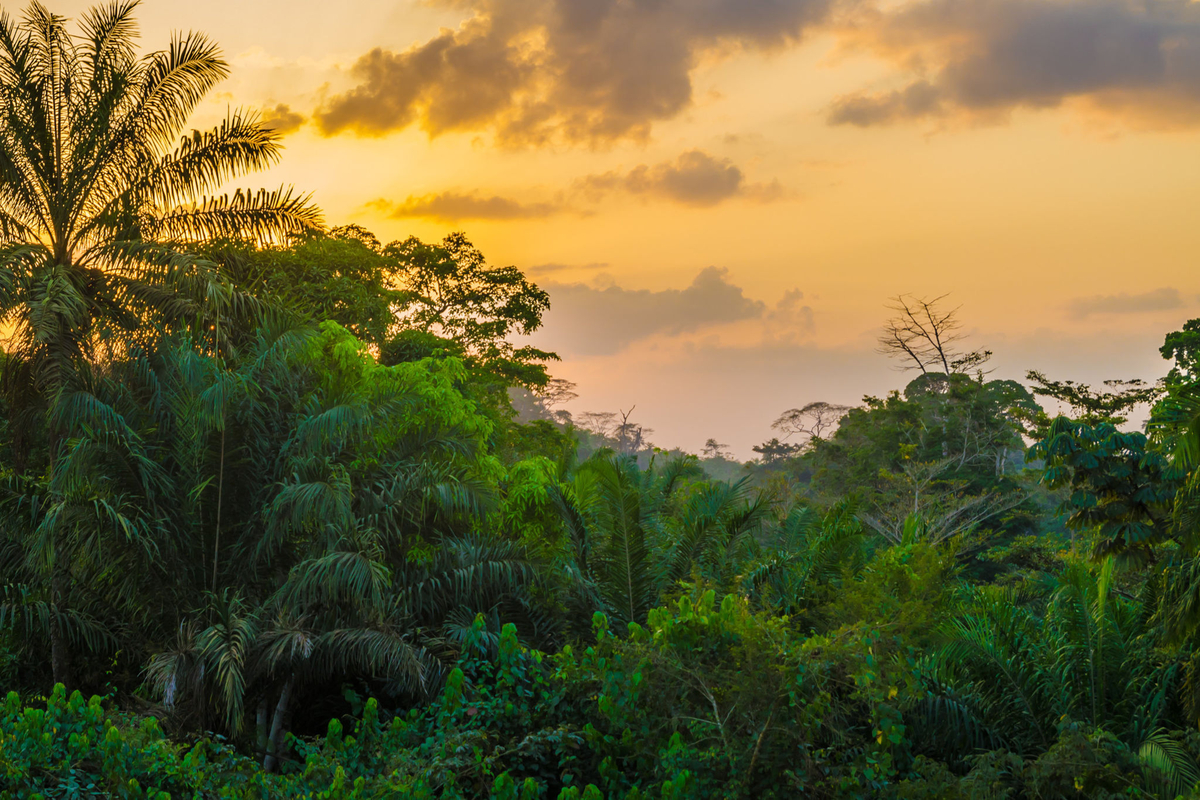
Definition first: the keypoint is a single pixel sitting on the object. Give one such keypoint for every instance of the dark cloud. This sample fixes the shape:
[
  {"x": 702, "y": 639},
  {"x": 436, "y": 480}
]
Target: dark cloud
[
  {"x": 695, "y": 178},
  {"x": 282, "y": 119},
  {"x": 460, "y": 80},
  {"x": 986, "y": 58},
  {"x": 455, "y": 206},
  {"x": 588, "y": 320},
  {"x": 533, "y": 71},
  {"x": 1164, "y": 299}
]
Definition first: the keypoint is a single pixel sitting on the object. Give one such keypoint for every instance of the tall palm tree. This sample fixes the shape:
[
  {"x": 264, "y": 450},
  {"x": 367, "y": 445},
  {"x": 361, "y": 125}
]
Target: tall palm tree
[{"x": 100, "y": 200}]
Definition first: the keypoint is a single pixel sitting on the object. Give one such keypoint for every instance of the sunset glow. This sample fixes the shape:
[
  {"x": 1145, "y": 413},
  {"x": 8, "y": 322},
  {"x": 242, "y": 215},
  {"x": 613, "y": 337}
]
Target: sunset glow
[{"x": 720, "y": 197}]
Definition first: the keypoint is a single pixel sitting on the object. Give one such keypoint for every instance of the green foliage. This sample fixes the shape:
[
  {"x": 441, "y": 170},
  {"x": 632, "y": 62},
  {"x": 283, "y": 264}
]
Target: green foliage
[
  {"x": 635, "y": 534},
  {"x": 905, "y": 590},
  {"x": 1090, "y": 406},
  {"x": 1012, "y": 677},
  {"x": 339, "y": 276},
  {"x": 1183, "y": 347},
  {"x": 452, "y": 292},
  {"x": 812, "y": 557},
  {"x": 409, "y": 302},
  {"x": 709, "y": 700},
  {"x": 957, "y": 418},
  {"x": 774, "y": 450},
  {"x": 409, "y": 299},
  {"x": 1120, "y": 489},
  {"x": 1080, "y": 764}
]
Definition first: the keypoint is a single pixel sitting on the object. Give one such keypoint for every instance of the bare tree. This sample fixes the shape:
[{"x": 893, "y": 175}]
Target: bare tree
[
  {"x": 617, "y": 430},
  {"x": 556, "y": 392},
  {"x": 601, "y": 423},
  {"x": 631, "y": 437},
  {"x": 922, "y": 333},
  {"x": 811, "y": 421}
]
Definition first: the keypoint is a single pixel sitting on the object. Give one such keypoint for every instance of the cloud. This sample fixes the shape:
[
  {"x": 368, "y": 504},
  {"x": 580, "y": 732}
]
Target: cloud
[
  {"x": 538, "y": 71},
  {"x": 282, "y": 119},
  {"x": 791, "y": 320},
  {"x": 545, "y": 269},
  {"x": 917, "y": 100},
  {"x": 695, "y": 178},
  {"x": 457, "y": 81},
  {"x": 598, "y": 320},
  {"x": 983, "y": 59},
  {"x": 1164, "y": 299},
  {"x": 455, "y": 206}
]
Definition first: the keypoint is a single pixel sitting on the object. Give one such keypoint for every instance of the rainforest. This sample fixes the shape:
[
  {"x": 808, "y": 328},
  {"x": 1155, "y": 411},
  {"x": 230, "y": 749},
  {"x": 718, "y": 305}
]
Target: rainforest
[{"x": 290, "y": 511}]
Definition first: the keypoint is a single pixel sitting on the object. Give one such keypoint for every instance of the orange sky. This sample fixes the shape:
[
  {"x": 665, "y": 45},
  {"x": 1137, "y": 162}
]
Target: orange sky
[{"x": 1039, "y": 159}]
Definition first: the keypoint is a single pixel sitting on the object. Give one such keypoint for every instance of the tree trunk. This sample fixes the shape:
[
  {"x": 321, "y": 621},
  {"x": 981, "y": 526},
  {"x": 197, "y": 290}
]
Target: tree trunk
[
  {"x": 260, "y": 726},
  {"x": 60, "y": 654},
  {"x": 275, "y": 741}
]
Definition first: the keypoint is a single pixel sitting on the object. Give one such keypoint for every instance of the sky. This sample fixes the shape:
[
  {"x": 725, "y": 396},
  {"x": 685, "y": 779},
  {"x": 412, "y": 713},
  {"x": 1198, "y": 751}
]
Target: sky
[{"x": 721, "y": 196}]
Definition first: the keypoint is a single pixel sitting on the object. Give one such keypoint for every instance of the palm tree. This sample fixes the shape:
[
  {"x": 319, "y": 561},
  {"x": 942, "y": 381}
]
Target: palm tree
[
  {"x": 125, "y": 498},
  {"x": 98, "y": 206},
  {"x": 100, "y": 198},
  {"x": 634, "y": 534},
  {"x": 347, "y": 549},
  {"x": 338, "y": 615},
  {"x": 807, "y": 557},
  {"x": 1012, "y": 677}
]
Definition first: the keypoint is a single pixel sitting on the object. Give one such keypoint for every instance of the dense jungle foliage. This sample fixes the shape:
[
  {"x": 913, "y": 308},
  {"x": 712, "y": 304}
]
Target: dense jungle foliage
[{"x": 288, "y": 512}]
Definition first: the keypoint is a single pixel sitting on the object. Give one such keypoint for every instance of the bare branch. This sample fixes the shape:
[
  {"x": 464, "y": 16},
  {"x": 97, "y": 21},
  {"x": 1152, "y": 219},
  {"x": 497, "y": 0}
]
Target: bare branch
[
  {"x": 556, "y": 392},
  {"x": 812, "y": 421},
  {"x": 925, "y": 335}
]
